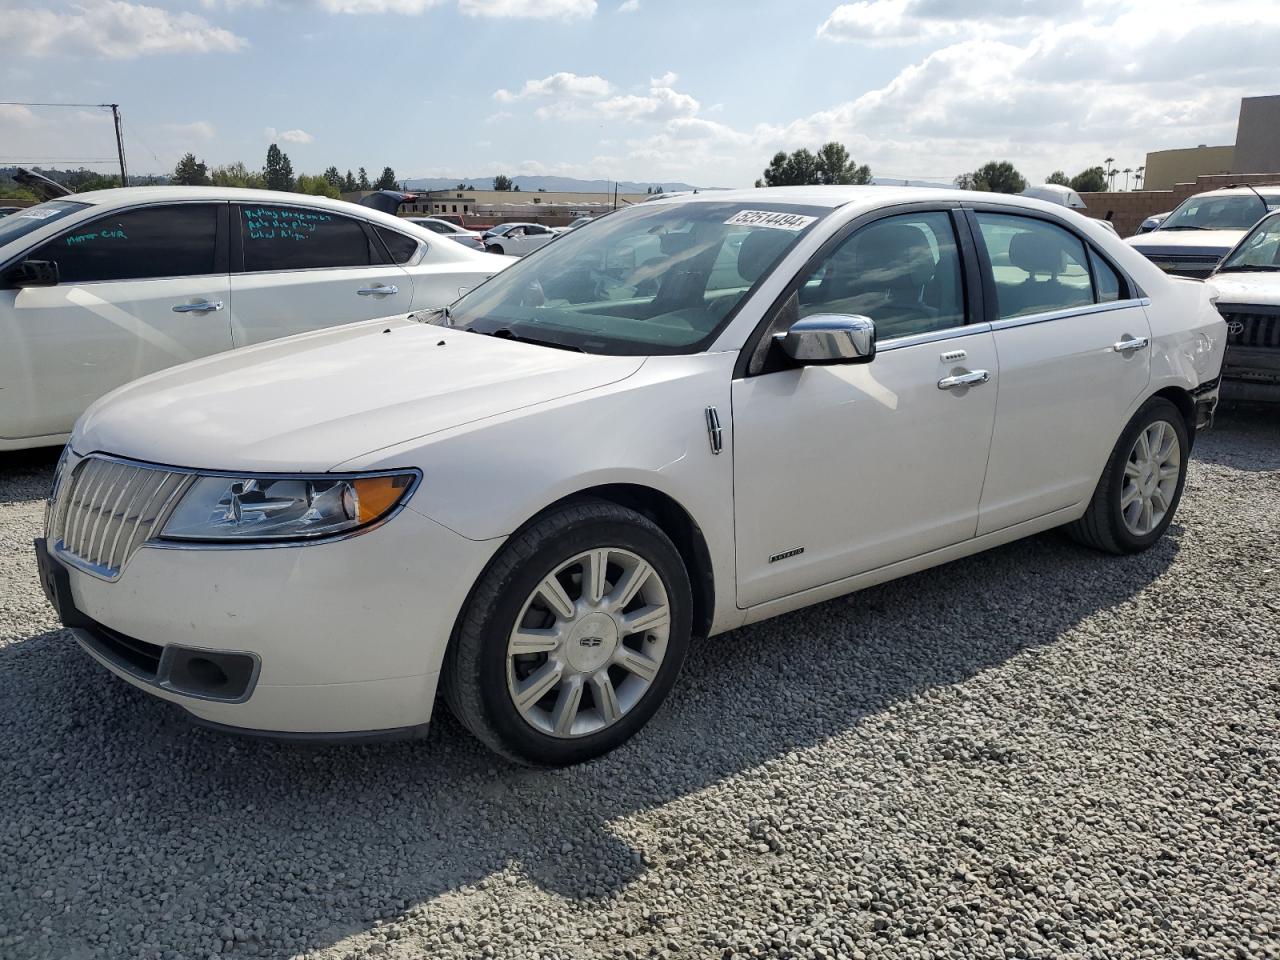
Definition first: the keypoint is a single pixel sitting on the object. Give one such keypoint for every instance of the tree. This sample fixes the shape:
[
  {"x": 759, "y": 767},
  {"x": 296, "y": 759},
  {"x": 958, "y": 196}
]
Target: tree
[
  {"x": 964, "y": 182},
  {"x": 318, "y": 186},
  {"x": 279, "y": 171},
  {"x": 1093, "y": 180},
  {"x": 996, "y": 176},
  {"x": 516, "y": 188},
  {"x": 191, "y": 172},
  {"x": 502, "y": 183},
  {"x": 387, "y": 181},
  {"x": 836, "y": 167},
  {"x": 1059, "y": 178},
  {"x": 363, "y": 182},
  {"x": 349, "y": 183},
  {"x": 333, "y": 178},
  {"x": 237, "y": 175}
]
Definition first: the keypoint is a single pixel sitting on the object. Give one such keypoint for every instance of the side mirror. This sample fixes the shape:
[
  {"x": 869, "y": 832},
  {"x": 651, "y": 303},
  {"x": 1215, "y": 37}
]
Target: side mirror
[
  {"x": 32, "y": 273},
  {"x": 829, "y": 338}
]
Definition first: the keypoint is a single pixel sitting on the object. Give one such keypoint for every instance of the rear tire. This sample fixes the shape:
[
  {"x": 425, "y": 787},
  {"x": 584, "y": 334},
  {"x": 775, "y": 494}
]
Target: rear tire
[
  {"x": 1138, "y": 494},
  {"x": 572, "y": 637}
]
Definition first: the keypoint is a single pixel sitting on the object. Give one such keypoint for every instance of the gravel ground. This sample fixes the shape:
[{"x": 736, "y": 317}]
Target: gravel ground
[{"x": 1039, "y": 751}]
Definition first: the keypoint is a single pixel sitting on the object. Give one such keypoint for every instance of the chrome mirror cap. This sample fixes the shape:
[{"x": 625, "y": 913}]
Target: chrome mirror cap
[{"x": 830, "y": 338}]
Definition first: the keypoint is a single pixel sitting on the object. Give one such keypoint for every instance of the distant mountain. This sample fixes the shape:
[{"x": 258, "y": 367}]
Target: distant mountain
[{"x": 549, "y": 184}]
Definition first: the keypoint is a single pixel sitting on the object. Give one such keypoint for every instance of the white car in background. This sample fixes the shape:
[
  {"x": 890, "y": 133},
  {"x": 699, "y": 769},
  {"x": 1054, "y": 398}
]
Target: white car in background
[
  {"x": 1247, "y": 283},
  {"x": 1202, "y": 229},
  {"x": 702, "y": 412},
  {"x": 518, "y": 239},
  {"x": 468, "y": 238},
  {"x": 97, "y": 289}
]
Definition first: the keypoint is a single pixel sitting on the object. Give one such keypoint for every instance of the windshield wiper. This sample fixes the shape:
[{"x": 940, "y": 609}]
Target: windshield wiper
[
  {"x": 1185, "y": 226},
  {"x": 505, "y": 333},
  {"x": 1250, "y": 268}
]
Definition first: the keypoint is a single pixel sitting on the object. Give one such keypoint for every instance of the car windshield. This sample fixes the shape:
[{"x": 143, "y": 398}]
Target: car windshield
[
  {"x": 655, "y": 279},
  {"x": 1260, "y": 250},
  {"x": 33, "y": 218},
  {"x": 1232, "y": 212}
]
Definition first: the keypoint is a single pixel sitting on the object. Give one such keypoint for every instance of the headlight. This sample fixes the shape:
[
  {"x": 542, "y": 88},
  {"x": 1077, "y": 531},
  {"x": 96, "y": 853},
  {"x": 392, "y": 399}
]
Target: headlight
[{"x": 283, "y": 508}]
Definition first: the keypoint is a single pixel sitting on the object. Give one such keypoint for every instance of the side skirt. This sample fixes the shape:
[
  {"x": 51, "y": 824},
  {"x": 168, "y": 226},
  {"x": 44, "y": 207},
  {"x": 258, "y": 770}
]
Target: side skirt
[{"x": 904, "y": 568}]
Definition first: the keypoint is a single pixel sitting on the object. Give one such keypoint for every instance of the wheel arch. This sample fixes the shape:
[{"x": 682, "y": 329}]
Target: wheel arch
[
  {"x": 675, "y": 521},
  {"x": 1180, "y": 397}
]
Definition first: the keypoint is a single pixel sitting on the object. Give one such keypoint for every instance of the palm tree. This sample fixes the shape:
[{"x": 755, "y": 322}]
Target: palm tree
[
  {"x": 1137, "y": 179},
  {"x": 1127, "y": 171},
  {"x": 1108, "y": 162}
]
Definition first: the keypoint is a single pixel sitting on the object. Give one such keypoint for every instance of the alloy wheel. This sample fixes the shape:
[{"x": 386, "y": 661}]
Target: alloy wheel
[
  {"x": 1150, "y": 478},
  {"x": 589, "y": 642}
]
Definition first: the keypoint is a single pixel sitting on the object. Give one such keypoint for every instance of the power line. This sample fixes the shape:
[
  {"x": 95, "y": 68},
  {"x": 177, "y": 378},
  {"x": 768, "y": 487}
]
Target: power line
[{"x": 29, "y": 103}]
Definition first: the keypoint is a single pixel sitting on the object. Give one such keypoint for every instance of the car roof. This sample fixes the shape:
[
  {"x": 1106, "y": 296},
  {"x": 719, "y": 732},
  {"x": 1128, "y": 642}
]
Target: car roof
[
  {"x": 1268, "y": 189},
  {"x": 131, "y": 195},
  {"x": 869, "y": 197}
]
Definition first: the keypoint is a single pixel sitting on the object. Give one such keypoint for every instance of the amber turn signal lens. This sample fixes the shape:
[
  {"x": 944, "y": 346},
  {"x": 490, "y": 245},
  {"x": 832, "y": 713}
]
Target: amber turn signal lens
[{"x": 377, "y": 495}]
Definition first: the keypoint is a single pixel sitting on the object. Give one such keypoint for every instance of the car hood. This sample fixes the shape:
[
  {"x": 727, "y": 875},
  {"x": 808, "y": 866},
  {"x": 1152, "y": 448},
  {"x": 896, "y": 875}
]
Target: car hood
[
  {"x": 310, "y": 402},
  {"x": 1186, "y": 242},
  {"x": 1252, "y": 289}
]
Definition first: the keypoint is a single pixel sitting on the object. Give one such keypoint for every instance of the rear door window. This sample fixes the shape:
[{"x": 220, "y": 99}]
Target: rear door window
[
  {"x": 1038, "y": 266},
  {"x": 179, "y": 240},
  {"x": 300, "y": 238},
  {"x": 401, "y": 247}
]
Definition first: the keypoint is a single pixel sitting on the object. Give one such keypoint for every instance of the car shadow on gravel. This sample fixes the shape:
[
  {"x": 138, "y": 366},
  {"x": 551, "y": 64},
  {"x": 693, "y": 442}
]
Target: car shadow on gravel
[
  {"x": 27, "y": 474},
  {"x": 125, "y": 810}
]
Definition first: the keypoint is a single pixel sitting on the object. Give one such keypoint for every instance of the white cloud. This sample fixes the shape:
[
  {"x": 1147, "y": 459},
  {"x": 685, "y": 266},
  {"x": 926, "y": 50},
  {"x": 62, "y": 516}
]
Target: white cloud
[
  {"x": 113, "y": 29},
  {"x": 628, "y": 6},
  {"x": 883, "y": 22},
  {"x": 13, "y": 114},
  {"x": 558, "y": 85},
  {"x": 196, "y": 130},
  {"x": 405, "y": 8},
  {"x": 528, "y": 9},
  {"x": 660, "y": 103},
  {"x": 288, "y": 136}
]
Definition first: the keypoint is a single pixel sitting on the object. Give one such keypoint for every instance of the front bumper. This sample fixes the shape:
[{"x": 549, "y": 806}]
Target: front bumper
[
  {"x": 1251, "y": 373},
  {"x": 342, "y": 639}
]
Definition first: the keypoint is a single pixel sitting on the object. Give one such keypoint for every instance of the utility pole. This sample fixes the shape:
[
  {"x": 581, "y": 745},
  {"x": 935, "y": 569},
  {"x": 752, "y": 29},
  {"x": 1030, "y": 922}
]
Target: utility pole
[
  {"x": 124, "y": 173},
  {"x": 615, "y": 194}
]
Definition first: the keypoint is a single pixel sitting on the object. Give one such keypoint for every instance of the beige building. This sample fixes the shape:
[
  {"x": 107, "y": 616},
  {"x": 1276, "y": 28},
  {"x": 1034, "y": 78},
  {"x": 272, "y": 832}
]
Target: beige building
[
  {"x": 1256, "y": 150},
  {"x": 499, "y": 205},
  {"x": 1168, "y": 167}
]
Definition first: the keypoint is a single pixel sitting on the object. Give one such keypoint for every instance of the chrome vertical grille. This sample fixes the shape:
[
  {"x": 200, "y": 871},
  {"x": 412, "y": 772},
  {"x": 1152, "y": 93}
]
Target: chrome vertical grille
[{"x": 108, "y": 508}]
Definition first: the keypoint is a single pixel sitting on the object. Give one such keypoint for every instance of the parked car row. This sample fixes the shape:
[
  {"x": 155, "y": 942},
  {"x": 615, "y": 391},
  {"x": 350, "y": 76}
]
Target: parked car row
[
  {"x": 101, "y": 288},
  {"x": 1193, "y": 239},
  {"x": 701, "y": 412}
]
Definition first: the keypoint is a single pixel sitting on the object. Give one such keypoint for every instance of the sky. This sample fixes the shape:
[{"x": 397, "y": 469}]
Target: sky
[{"x": 651, "y": 90}]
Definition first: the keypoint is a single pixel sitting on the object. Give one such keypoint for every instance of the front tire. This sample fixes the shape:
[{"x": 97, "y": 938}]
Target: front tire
[
  {"x": 1140, "y": 489},
  {"x": 572, "y": 637},
  {"x": 496, "y": 249}
]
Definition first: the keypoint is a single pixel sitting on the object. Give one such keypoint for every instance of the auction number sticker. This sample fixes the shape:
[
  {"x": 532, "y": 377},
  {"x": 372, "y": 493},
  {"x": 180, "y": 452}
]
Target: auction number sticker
[
  {"x": 36, "y": 215},
  {"x": 769, "y": 218}
]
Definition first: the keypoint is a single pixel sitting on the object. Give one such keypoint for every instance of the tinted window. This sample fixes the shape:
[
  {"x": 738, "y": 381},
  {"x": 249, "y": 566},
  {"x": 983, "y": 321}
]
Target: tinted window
[
  {"x": 22, "y": 222},
  {"x": 1106, "y": 282},
  {"x": 401, "y": 247},
  {"x": 1038, "y": 267},
  {"x": 902, "y": 272},
  {"x": 298, "y": 238},
  {"x": 175, "y": 241}
]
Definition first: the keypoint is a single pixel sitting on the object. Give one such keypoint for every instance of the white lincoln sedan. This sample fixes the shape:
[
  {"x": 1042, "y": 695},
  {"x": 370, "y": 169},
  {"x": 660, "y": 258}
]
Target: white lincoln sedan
[
  {"x": 97, "y": 289},
  {"x": 702, "y": 412}
]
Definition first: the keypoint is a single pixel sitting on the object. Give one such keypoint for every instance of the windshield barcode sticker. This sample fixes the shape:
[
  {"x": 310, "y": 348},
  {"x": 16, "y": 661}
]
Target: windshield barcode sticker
[
  {"x": 36, "y": 215},
  {"x": 769, "y": 218}
]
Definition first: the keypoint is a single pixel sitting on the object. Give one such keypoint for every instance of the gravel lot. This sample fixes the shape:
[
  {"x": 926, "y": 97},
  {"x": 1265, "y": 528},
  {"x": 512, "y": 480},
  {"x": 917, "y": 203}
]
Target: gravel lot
[{"x": 1039, "y": 751}]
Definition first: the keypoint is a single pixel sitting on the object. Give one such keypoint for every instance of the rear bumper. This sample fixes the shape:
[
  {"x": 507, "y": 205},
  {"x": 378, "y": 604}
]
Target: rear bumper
[{"x": 1205, "y": 398}]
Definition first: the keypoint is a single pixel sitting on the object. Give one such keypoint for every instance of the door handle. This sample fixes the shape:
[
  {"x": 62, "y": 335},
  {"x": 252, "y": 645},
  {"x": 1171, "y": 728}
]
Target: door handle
[
  {"x": 964, "y": 380},
  {"x": 1133, "y": 343},
  {"x": 378, "y": 291},
  {"x": 204, "y": 306}
]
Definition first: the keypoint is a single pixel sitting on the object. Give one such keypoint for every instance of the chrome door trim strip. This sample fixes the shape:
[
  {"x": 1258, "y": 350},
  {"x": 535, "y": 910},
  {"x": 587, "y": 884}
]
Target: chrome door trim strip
[
  {"x": 1082, "y": 311},
  {"x": 933, "y": 336}
]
